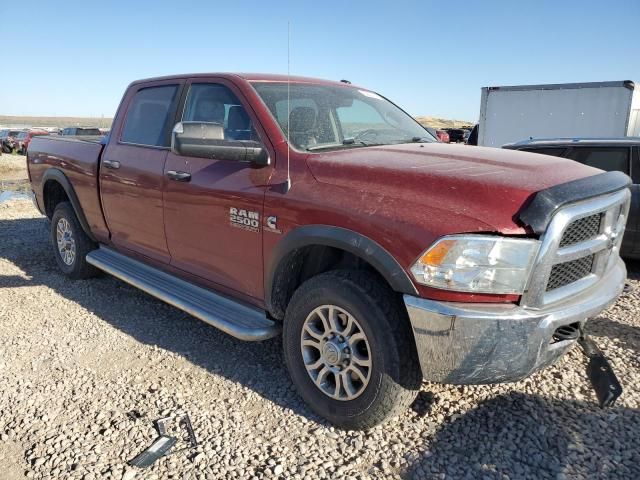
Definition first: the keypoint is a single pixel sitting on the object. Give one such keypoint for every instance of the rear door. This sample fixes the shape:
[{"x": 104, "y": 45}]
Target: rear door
[
  {"x": 214, "y": 219},
  {"x": 615, "y": 159},
  {"x": 132, "y": 169}
]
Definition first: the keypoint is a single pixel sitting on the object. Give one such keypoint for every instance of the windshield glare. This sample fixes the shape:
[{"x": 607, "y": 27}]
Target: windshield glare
[{"x": 325, "y": 116}]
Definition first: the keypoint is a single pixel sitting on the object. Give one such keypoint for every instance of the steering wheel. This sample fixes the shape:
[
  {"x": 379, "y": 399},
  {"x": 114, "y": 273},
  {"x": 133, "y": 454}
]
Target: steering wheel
[{"x": 366, "y": 133}]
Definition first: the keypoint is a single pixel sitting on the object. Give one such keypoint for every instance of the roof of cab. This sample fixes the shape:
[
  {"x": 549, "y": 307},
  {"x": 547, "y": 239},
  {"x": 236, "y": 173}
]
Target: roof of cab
[
  {"x": 250, "y": 77},
  {"x": 567, "y": 142}
]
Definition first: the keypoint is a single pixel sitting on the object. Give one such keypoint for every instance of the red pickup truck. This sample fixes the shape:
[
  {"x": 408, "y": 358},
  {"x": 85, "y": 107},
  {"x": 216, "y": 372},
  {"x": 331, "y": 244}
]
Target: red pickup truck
[{"x": 264, "y": 204}]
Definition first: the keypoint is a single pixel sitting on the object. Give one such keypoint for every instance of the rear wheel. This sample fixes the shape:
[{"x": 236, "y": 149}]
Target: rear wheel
[
  {"x": 349, "y": 349},
  {"x": 70, "y": 243}
]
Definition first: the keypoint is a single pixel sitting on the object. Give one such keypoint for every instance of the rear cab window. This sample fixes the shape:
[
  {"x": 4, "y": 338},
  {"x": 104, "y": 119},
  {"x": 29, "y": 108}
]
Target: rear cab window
[{"x": 150, "y": 112}]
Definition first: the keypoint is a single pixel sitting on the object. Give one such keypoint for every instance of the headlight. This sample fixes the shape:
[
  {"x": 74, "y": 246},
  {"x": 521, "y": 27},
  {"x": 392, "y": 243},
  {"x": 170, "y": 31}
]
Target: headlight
[{"x": 477, "y": 263}]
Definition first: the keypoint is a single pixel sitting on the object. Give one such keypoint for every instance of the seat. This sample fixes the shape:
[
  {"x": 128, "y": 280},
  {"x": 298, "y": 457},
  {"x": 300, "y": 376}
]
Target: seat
[
  {"x": 303, "y": 122},
  {"x": 238, "y": 124}
]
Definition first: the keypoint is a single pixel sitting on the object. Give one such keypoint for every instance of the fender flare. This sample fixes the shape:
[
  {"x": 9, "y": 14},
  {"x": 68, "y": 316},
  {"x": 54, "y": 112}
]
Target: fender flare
[
  {"x": 59, "y": 176},
  {"x": 344, "y": 239}
]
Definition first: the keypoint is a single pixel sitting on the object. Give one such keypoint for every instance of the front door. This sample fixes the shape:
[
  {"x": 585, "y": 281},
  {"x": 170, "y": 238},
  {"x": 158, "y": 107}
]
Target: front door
[
  {"x": 132, "y": 170},
  {"x": 214, "y": 209}
]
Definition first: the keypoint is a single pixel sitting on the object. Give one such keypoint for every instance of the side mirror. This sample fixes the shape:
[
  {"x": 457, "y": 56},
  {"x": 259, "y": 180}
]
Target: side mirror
[{"x": 206, "y": 140}]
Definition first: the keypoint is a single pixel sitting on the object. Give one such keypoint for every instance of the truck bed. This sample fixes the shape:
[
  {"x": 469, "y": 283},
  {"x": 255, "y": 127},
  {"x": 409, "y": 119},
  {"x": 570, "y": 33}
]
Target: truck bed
[{"x": 79, "y": 159}]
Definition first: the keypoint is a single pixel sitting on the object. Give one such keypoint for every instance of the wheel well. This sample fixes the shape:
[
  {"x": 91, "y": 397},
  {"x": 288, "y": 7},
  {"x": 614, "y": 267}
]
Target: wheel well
[
  {"x": 303, "y": 263},
  {"x": 53, "y": 194}
]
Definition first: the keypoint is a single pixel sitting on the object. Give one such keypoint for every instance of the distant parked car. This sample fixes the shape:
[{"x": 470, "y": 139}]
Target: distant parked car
[
  {"x": 455, "y": 134},
  {"x": 24, "y": 138},
  {"x": 610, "y": 154},
  {"x": 432, "y": 131},
  {"x": 7, "y": 139},
  {"x": 473, "y": 136},
  {"x": 81, "y": 131},
  {"x": 443, "y": 136}
]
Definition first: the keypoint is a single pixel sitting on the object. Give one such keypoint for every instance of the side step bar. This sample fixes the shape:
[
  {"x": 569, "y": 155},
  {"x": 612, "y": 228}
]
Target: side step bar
[{"x": 236, "y": 319}]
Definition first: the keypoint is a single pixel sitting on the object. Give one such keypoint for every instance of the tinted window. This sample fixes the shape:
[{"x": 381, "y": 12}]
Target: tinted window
[
  {"x": 555, "y": 152},
  {"x": 635, "y": 166},
  {"x": 604, "y": 158},
  {"x": 87, "y": 131},
  {"x": 215, "y": 103},
  {"x": 147, "y": 116}
]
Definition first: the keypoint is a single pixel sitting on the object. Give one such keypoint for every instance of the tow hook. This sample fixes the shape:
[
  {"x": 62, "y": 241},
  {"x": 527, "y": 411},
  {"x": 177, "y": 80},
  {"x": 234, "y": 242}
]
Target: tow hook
[{"x": 603, "y": 380}]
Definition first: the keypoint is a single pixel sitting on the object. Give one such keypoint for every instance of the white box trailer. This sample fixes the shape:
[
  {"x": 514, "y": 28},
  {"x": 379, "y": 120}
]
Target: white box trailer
[{"x": 597, "y": 109}]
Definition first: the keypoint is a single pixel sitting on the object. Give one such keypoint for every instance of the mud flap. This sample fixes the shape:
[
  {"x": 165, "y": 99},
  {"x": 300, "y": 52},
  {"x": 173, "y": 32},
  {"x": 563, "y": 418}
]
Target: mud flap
[{"x": 603, "y": 380}]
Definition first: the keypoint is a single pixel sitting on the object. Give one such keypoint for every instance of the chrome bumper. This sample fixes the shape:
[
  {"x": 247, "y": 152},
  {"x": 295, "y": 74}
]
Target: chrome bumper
[{"x": 475, "y": 343}]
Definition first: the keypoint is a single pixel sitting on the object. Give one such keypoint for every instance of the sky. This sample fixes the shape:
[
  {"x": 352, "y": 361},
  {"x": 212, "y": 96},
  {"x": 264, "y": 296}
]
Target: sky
[{"x": 431, "y": 58}]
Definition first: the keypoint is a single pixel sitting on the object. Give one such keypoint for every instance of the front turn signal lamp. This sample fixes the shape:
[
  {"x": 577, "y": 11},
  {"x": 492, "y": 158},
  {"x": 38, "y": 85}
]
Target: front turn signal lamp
[{"x": 477, "y": 263}]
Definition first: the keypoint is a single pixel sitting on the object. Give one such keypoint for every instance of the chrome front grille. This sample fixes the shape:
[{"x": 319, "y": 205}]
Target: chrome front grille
[
  {"x": 582, "y": 229},
  {"x": 581, "y": 244},
  {"x": 568, "y": 272}
]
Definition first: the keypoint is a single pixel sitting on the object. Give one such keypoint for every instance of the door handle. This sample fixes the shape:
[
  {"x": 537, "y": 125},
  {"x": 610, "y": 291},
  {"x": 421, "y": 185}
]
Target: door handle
[
  {"x": 113, "y": 164},
  {"x": 178, "y": 176}
]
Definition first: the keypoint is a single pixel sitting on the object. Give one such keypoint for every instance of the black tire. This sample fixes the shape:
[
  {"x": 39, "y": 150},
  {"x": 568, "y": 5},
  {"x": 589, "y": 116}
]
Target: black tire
[
  {"x": 395, "y": 372},
  {"x": 78, "y": 268}
]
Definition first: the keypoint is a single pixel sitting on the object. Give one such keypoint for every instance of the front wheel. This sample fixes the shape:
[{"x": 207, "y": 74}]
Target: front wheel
[
  {"x": 350, "y": 350},
  {"x": 70, "y": 243}
]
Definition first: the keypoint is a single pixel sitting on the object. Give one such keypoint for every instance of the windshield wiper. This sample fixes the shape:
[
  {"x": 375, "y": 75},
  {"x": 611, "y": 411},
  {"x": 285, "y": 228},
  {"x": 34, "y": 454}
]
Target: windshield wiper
[
  {"x": 353, "y": 144},
  {"x": 414, "y": 140}
]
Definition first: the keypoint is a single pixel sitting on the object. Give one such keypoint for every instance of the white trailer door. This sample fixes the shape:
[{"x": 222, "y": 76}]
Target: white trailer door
[{"x": 512, "y": 115}]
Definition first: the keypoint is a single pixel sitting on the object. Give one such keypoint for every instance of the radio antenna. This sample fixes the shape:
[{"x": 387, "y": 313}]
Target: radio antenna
[{"x": 288, "y": 184}]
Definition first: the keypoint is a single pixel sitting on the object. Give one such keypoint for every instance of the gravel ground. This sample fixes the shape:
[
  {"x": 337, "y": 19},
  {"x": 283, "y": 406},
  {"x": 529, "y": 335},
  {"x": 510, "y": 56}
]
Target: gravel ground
[{"x": 85, "y": 367}]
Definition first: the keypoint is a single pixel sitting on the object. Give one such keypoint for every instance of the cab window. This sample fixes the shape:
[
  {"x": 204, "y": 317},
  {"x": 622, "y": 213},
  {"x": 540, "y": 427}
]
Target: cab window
[
  {"x": 148, "y": 115},
  {"x": 215, "y": 103}
]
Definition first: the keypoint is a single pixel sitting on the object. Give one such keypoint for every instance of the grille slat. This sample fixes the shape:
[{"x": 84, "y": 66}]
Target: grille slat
[
  {"x": 563, "y": 274},
  {"x": 582, "y": 229}
]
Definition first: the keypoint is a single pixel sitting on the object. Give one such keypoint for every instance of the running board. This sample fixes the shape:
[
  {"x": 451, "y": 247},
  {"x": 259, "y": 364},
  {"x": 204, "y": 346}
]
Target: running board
[{"x": 236, "y": 319}]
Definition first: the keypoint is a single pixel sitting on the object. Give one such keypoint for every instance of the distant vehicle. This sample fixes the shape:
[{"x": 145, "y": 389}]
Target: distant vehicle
[
  {"x": 7, "y": 139},
  {"x": 610, "y": 154},
  {"x": 432, "y": 132},
  {"x": 77, "y": 131},
  {"x": 473, "y": 136},
  {"x": 576, "y": 110},
  {"x": 466, "y": 134},
  {"x": 455, "y": 134},
  {"x": 443, "y": 136},
  {"x": 24, "y": 138}
]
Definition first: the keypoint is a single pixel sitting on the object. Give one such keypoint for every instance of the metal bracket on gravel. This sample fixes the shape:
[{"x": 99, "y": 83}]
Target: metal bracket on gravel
[
  {"x": 164, "y": 426},
  {"x": 170, "y": 430},
  {"x": 601, "y": 375}
]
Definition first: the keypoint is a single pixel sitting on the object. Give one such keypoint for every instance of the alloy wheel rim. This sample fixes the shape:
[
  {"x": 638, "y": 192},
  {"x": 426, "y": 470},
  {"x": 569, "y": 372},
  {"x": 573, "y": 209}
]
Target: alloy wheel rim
[
  {"x": 336, "y": 352},
  {"x": 66, "y": 242}
]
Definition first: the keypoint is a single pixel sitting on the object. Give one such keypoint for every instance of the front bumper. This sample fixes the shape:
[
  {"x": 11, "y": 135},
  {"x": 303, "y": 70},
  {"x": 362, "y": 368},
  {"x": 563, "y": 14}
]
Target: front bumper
[{"x": 475, "y": 343}]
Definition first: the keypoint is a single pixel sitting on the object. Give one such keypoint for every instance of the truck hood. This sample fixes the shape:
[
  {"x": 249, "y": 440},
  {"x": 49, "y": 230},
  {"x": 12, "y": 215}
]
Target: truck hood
[{"x": 489, "y": 185}]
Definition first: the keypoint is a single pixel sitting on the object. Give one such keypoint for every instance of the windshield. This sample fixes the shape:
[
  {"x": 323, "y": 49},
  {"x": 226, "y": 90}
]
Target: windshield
[{"x": 326, "y": 116}]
